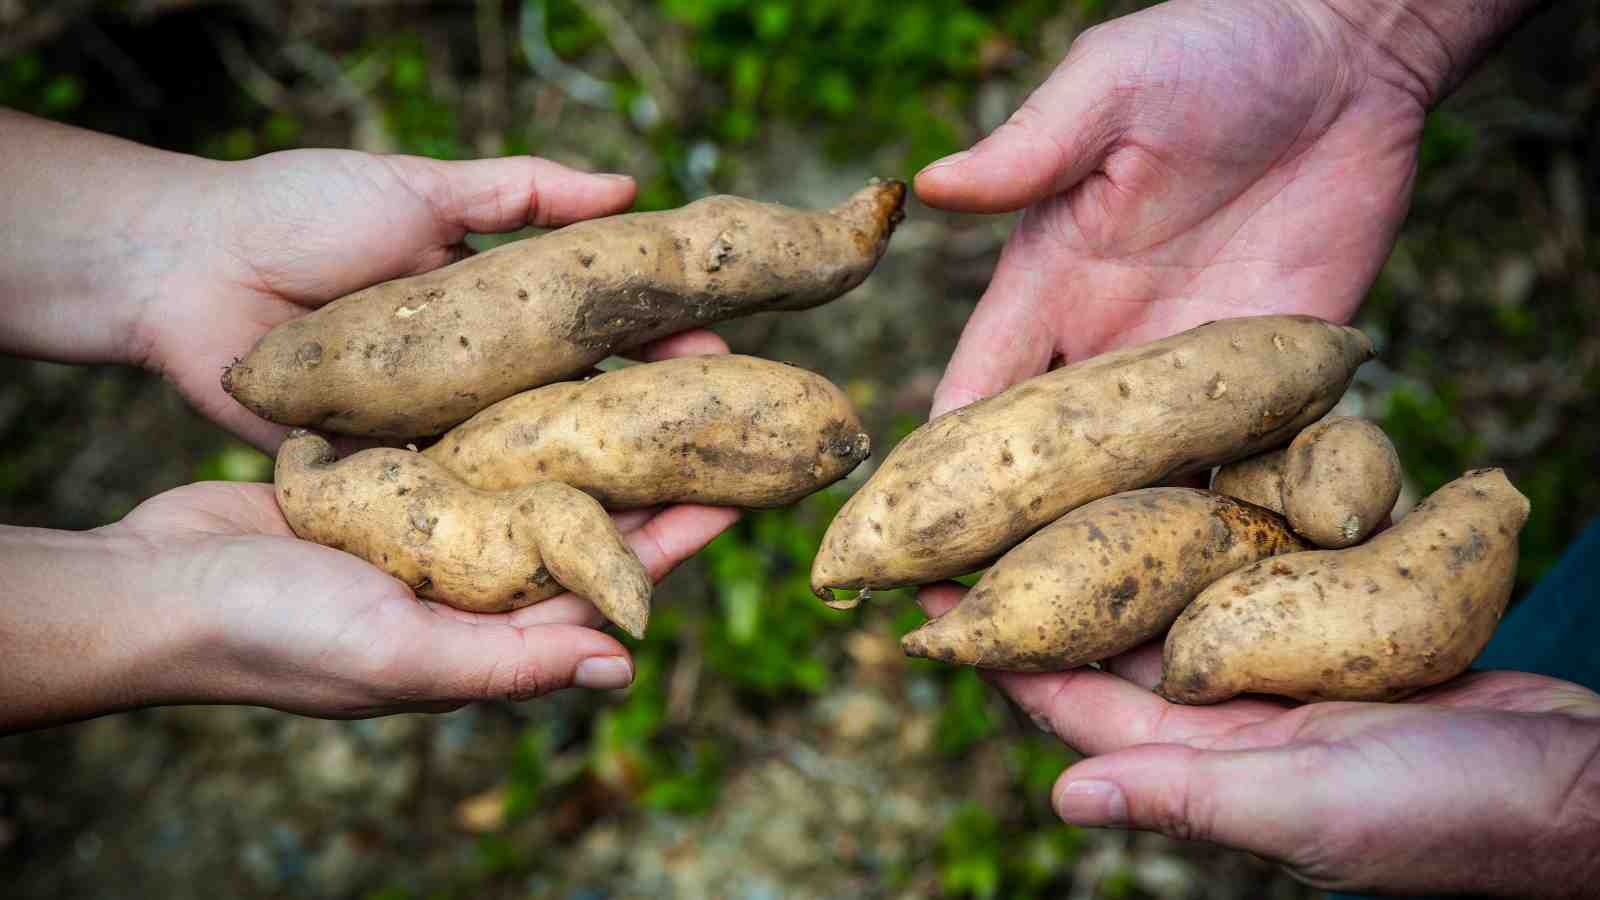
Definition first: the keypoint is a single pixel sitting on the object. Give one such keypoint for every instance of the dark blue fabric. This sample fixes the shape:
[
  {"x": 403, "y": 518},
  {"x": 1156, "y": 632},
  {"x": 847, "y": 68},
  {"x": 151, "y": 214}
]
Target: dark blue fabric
[{"x": 1555, "y": 630}]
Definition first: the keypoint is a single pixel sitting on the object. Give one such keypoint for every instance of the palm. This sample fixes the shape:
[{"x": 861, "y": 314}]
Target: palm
[
  {"x": 291, "y": 231},
  {"x": 328, "y": 634},
  {"x": 1316, "y": 786},
  {"x": 1272, "y": 180}
]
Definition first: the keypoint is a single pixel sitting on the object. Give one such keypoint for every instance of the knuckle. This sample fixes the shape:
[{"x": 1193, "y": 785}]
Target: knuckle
[
  {"x": 527, "y": 682},
  {"x": 1185, "y": 808}
]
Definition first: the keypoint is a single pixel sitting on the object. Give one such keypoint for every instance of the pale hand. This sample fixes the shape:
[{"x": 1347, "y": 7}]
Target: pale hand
[
  {"x": 1201, "y": 160},
  {"x": 202, "y": 594},
  {"x": 1489, "y": 783},
  {"x": 273, "y": 237},
  {"x": 1192, "y": 162},
  {"x": 271, "y": 620}
]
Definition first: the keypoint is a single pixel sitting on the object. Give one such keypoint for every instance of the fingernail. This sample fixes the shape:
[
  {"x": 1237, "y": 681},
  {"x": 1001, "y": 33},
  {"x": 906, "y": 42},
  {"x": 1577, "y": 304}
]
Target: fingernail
[
  {"x": 950, "y": 160},
  {"x": 620, "y": 179},
  {"x": 603, "y": 673},
  {"x": 1093, "y": 803}
]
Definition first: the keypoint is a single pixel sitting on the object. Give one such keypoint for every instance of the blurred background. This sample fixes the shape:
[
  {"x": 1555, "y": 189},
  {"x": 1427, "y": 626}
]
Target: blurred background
[{"x": 770, "y": 747}]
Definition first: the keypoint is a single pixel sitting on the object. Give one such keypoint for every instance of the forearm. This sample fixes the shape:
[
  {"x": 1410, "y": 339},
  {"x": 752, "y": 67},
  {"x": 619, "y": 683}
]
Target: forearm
[
  {"x": 1430, "y": 46},
  {"x": 90, "y": 229},
  {"x": 76, "y": 640}
]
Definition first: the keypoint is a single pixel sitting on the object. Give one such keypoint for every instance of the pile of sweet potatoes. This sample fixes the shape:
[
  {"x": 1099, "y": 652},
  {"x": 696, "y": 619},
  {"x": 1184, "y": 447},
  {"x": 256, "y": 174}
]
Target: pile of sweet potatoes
[
  {"x": 1280, "y": 579},
  {"x": 1267, "y": 583},
  {"x": 508, "y": 507}
]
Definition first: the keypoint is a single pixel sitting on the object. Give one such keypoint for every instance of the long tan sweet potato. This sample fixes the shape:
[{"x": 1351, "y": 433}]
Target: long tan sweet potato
[
  {"x": 412, "y": 357},
  {"x": 1102, "y": 579},
  {"x": 971, "y": 484},
  {"x": 1410, "y": 608},
  {"x": 721, "y": 430}
]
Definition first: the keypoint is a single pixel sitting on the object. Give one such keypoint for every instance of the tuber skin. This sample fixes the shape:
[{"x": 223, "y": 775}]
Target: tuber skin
[
  {"x": 412, "y": 357},
  {"x": 1336, "y": 482},
  {"x": 1410, "y": 608},
  {"x": 470, "y": 549},
  {"x": 971, "y": 484},
  {"x": 1102, "y": 579},
  {"x": 1257, "y": 479},
  {"x": 1341, "y": 478},
  {"x": 720, "y": 430}
]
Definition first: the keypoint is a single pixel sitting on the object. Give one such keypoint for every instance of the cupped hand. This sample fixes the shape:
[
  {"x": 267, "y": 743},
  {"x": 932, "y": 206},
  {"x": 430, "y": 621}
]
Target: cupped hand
[
  {"x": 271, "y": 238},
  {"x": 1194, "y": 161},
  {"x": 275, "y": 621},
  {"x": 1489, "y": 783}
]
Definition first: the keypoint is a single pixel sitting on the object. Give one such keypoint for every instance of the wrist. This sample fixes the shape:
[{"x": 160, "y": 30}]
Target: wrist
[
  {"x": 93, "y": 232},
  {"x": 81, "y": 628},
  {"x": 1427, "y": 46}
]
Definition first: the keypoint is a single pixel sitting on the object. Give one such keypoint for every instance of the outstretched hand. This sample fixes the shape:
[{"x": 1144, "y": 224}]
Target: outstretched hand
[
  {"x": 280, "y": 622},
  {"x": 279, "y": 235},
  {"x": 203, "y": 594},
  {"x": 1192, "y": 162},
  {"x": 1488, "y": 783}
]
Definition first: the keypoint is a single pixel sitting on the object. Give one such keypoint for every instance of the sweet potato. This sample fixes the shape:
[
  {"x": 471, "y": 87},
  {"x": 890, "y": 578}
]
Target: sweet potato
[
  {"x": 1257, "y": 479},
  {"x": 969, "y": 485},
  {"x": 1410, "y": 608},
  {"x": 1341, "y": 478},
  {"x": 1102, "y": 579},
  {"x": 720, "y": 430},
  {"x": 412, "y": 357},
  {"x": 1336, "y": 482},
  {"x": 474, "y": 550}
]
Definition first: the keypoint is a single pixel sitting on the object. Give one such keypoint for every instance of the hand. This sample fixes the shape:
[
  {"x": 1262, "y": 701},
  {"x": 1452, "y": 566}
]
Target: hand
[
  {"x": 276, "y": 236},
  {"x": 203, "y": 595},
  {"x": 1190, "y": 162},
  {"x": 1487, "y": 784}
]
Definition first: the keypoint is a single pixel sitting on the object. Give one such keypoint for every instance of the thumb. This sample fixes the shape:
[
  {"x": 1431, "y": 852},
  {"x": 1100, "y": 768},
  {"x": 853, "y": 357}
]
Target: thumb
[
  {"x": 466, "y": 661},
  {"x": 1053, "y": 141},
  {"x": 1265, "y": 801},
  {"x": 507, "y": 193},
  {"x": 1006, "y": 340}
]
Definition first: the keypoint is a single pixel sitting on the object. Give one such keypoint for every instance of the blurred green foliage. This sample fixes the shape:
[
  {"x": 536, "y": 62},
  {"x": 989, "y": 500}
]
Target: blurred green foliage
[
  {"x": 26, "y": 85},
  {"x": 235, "y": 462},
  {"x": 861, "y": 76},
  {"x": 982, "y": 858},
  {"x": 898, "y": 69},
  {"x": 420, "y": 121},
  {"x": 767, "y": 624}
]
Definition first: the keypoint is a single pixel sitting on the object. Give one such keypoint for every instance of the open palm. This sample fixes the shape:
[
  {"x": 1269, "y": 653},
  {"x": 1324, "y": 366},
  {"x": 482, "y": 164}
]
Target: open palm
[
  {"x": 308, "y": 629},
  {"x": 1195, "y": 161},
  {"x": 276, "y": 236},
  {"x": 1346, "y": 795}
]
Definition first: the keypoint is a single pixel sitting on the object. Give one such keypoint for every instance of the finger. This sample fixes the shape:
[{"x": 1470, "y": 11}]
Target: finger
[
  {"x": 662, "y": 540},
  {"x": 454, "y": 660},
  {"x": 1006, "y": 340},
  {"x": 676, "y": 534},
  {"x": 938, "y": 599},
  {"x": 1056, "y": 139},
  {"x": 1269, "y": 802},
  {"x": 564, "y": 609},
  {"x": 507, "y": 193},
  {"x": 633, "y": 519},
  {"x": 1140, "y": 666},
  {"x": 1096, "y": 712},
  {"x": 697, "y": 342}
]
